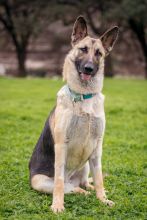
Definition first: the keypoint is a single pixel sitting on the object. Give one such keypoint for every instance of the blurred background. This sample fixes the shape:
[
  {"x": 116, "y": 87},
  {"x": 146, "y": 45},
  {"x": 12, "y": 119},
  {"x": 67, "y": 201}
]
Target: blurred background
[{"x": 35, "y": 35}]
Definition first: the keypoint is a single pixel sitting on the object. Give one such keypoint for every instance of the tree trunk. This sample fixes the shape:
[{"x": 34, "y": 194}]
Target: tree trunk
[
  {"x": 145, "y": 59},
  {"x": 21, "y": 59},
  {"x": 146, "y": 66},
  {"x": 109, "y": 67},
  {"x": 139, "y": 29}
]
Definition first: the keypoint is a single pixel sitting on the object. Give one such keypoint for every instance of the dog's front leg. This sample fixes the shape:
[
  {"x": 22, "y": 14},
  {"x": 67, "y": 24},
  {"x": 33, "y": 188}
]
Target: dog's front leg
[
  {"x": 58, "y": 193},
  {"x": 96, "y": 169}
]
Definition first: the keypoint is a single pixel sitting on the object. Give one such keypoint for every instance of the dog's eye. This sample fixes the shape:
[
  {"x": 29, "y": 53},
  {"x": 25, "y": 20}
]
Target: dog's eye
[
  {"x": 98, "y": 53},
  {"x": 84, "y": 49}
]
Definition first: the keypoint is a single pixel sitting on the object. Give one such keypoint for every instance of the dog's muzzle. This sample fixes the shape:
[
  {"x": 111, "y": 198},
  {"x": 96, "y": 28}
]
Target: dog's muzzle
[{"x": 86, "y": 70}]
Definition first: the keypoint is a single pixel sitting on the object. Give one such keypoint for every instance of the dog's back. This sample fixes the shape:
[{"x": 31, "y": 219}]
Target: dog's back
[{"x": 43, "y": 157}]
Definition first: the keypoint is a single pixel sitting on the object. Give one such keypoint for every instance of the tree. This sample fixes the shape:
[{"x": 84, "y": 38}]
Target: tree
[
  {"x": 23, "y": 19},
  {"x": 132, "y": 14}
]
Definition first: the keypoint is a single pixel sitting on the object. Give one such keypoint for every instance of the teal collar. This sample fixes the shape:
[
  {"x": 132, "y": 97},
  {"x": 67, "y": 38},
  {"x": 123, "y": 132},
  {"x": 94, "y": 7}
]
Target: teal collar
[{"x": 77, "y": 97}]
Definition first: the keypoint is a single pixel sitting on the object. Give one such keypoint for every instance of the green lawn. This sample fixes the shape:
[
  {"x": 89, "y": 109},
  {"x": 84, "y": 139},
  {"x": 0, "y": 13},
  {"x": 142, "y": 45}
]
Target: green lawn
[{"x": 24, "y": 106}]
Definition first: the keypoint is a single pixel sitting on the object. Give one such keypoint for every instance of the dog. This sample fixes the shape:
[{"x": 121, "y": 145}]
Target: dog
[{"x": 70, "y": 145}]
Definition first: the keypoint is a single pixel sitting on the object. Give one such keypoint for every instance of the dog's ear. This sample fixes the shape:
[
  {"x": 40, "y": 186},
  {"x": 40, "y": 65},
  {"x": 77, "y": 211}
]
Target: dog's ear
[
  {"x": 109, "y": 38},
  {"x": 79, "y": 30}
]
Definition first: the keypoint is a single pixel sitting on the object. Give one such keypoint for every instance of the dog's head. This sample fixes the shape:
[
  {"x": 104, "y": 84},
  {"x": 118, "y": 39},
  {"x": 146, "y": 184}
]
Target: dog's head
[{"x": 84, "y": 65}]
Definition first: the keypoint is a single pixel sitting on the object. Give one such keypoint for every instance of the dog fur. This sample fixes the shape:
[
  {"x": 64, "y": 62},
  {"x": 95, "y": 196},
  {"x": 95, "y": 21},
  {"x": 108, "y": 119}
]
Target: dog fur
[{"x": 72, "y": 138}]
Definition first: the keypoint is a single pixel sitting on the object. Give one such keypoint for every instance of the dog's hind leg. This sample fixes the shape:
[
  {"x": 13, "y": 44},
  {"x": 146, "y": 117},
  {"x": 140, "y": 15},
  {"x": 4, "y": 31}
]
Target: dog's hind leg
[
  {"x": 85, "y": 180},
  {"x": 45, "y": 184},
  {"x": 42, "y": 183},
  {"x": 80, "y": 179}
]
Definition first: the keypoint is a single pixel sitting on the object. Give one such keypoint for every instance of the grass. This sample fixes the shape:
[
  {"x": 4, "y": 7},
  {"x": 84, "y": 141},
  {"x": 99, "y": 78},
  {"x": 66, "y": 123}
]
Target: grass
[{"x": 24, "y": 106}]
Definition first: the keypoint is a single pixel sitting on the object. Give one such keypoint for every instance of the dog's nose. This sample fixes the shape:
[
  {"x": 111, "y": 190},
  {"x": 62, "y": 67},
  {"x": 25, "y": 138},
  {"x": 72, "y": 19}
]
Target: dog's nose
[{"x": 88, "y": 67}]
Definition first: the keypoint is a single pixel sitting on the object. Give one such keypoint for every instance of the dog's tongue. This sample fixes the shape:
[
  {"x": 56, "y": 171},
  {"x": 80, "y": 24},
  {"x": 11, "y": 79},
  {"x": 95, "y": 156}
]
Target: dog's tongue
[{"x": 85, "y": 76}]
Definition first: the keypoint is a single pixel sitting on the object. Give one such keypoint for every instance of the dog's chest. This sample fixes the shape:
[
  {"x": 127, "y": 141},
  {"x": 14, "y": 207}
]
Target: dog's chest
[
  {"x": 84, "y": 124},
  {"x": 82, "y": 135}
]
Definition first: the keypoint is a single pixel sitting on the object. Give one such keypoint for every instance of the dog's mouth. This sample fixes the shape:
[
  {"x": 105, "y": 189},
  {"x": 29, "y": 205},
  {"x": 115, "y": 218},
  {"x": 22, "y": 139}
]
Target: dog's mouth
[{"x": 85, "y": 76}]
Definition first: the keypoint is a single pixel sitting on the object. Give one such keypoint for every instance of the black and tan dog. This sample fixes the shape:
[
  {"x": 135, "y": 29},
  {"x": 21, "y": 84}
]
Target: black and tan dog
[{"x": 73, "y": 134}]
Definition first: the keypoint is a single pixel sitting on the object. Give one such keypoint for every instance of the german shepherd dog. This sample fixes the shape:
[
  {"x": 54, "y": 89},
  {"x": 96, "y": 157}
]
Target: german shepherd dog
[{"x": 71, "y": 141}]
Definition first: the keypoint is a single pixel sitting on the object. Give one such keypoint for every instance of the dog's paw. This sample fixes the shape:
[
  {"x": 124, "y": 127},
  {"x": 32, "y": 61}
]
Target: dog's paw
[
  {"x": 106, "y": 201},
  {"x": 80, "y": 190},
  {"x": 102, "y": 197},
  {"x": 109, "y": 202},
  {"x": 89, "y": 186},
  {"x": 57, "y": 207}
]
